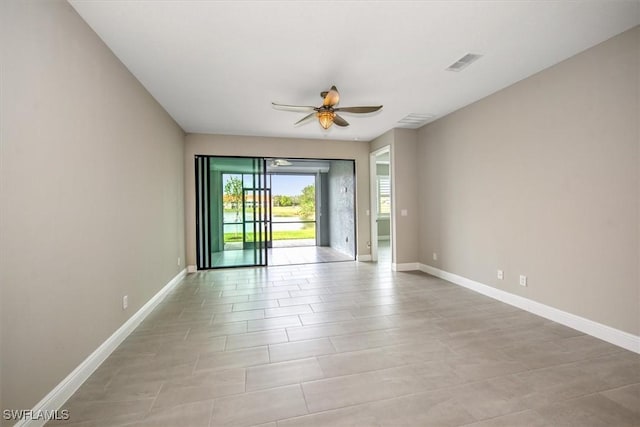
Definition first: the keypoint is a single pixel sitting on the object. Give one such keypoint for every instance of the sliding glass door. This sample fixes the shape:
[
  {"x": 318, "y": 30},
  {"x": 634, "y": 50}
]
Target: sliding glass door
[{"x": 233, "y": 211}]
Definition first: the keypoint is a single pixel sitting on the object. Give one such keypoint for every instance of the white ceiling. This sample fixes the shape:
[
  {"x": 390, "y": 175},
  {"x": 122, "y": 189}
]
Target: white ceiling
[{"x": 216, "y": 66}]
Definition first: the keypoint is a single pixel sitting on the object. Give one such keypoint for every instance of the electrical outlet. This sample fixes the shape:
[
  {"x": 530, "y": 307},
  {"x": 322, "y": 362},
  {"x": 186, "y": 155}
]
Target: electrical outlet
[
  {"x": 523, "y": 280},
  {"x": 178, "y": 261},
  {"x": 435, "y": 256},
  {"x": 500, "y": 274},
  {"x": 125, "y": 302}
]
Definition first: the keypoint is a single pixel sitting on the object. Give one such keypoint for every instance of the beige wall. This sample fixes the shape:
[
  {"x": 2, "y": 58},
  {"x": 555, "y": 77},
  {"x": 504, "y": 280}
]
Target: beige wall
[
  {"x": 92, "y": 196},
  {"x": 541, "y": 179},
  {"x": 403, "y": 149},
  {"x": 225, "y": 145}
]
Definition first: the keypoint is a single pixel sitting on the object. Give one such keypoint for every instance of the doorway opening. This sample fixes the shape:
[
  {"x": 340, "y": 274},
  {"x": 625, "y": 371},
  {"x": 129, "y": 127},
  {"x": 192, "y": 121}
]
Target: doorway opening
[
  {"x": 267, "y": 211},
  {"x": 231, "y": 212},
  {"x": 293, "y": 210},
  {"x": 381, "y": 207}
]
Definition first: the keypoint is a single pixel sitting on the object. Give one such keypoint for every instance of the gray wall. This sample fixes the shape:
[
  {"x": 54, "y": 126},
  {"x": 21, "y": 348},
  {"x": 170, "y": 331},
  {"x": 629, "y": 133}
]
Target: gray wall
[
  {"x": 92, "y": 196},
  {"x": 324, "y": 237},
  {"x": 228, "y": 145},
  {"x": 341, "y": 207},
  {"x": 542, "y": 179}
]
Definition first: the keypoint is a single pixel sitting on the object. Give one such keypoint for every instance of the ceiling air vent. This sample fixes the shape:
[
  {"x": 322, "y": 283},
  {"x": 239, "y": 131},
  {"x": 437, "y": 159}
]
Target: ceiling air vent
[
  {"x": 463, "y": 62},
  {"x": 414, "y": 121}
]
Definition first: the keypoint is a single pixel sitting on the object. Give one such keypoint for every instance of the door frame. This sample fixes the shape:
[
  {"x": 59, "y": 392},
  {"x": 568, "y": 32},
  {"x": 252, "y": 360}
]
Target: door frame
[
  {"x": 373, "y": 199},
  {"x": 203, "y": 225}
]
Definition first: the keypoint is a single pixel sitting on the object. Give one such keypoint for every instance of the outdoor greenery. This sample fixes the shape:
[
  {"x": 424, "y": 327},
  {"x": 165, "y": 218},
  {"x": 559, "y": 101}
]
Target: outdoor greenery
[
  {"x": 284, "y": 211},
  {"x": 277, "y": 211},
  {"x": 305, "y": 233},
  {"x": 298, "y": 207},
  {"x": 233, "y": 194},
  {"x": 307, "y": 209},
  {"x": 283, "y": 201}
]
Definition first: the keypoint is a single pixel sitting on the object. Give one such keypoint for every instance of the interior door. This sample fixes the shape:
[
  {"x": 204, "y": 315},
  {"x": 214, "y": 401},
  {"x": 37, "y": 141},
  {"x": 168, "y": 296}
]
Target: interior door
[{"x": 232, "y": 212}]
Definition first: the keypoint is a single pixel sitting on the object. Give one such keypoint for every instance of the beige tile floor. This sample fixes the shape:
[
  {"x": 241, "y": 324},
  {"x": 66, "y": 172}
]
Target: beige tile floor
[{"x": 353, "y": 344}]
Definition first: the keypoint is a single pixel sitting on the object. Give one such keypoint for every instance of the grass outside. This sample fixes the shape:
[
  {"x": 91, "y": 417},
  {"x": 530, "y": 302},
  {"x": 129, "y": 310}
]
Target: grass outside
[
  {"x": 309, "y": 233},
  {"x": 284, "y": 211},
  {"x": 278, "y": 211}
]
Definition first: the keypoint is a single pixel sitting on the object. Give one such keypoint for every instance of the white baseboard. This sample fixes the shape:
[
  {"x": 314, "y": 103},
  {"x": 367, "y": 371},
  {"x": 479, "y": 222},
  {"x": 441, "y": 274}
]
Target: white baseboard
[
  {"x": 407, "y": 266},
  {"x": 363, "y": 258},
  {"x": 192, "y": 269},
  {"x": 606, "y": 333},
  {"x": 65, "y": 389}
]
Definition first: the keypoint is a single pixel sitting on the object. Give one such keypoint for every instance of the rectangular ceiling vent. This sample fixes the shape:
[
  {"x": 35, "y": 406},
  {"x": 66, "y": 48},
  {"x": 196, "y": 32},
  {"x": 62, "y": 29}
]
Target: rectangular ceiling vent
[
  {"x": 463, "y": 62},
  {"x": 414, "y": 120}
]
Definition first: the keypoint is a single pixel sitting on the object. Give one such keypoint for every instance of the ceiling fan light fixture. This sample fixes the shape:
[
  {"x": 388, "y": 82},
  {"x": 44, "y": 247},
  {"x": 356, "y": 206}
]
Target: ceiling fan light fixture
[
  {"x": 326, "y": 113},
  {"x": 326, "y": 118}
]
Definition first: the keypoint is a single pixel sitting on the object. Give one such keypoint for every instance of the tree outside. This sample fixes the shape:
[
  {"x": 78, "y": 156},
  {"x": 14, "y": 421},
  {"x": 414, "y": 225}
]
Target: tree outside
[
  {"x": 307, "y": 207},
  {"x": 282, "y": 201},
  {"x": 286, "y": 209},
  {"x": 233, "y": 194}
]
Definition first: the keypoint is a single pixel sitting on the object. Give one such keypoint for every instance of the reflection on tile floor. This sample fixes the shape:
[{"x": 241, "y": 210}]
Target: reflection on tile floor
[
  {"x": 305, "y": 255},
  {"x": 285, "y": 255},
  {"x": 353, "y": 344}
]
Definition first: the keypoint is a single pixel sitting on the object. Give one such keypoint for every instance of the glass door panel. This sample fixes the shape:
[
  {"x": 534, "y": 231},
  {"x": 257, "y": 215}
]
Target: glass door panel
[{"x": 231, "y": 217}]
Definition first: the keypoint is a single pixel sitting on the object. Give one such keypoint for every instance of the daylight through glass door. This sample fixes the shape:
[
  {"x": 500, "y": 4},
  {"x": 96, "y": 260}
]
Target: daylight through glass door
[{"x": 232, "y": 205}]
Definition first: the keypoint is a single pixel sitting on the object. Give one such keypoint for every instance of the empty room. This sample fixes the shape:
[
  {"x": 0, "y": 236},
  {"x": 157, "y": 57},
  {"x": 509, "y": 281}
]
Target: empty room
[{"x": 320, "y": 213}]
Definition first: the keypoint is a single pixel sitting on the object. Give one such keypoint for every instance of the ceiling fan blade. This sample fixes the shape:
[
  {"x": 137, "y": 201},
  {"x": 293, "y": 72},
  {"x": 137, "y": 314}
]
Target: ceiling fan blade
[
  {"x": 293, "y": 107},
  {"x": 331, "y": 98},
  {"x": 369, "y": 109},
  {"x": 275, "y": 163},
  {"x": 305, "y": 118},
  {"x": 340, "y": 121}
]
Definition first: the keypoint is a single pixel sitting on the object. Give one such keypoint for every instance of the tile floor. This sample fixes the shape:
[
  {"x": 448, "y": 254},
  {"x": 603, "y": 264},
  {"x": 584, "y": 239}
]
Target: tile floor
[
  {"x": 305, "y": 255},
  {"x": 353, "y": 344}
]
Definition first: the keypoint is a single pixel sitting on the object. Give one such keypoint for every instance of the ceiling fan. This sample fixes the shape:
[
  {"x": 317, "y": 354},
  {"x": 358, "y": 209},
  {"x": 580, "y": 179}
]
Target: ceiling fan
[{"x": 326, "y": 113}]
